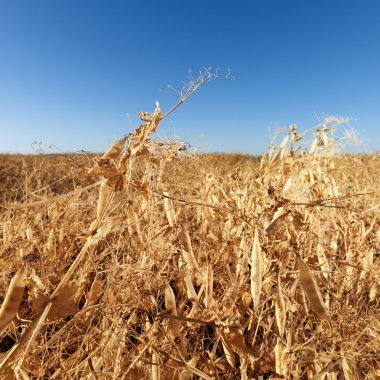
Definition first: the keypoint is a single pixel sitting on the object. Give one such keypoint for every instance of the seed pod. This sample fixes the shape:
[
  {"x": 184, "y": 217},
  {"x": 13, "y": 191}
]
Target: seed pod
[
  {"x": 169, "y": 209},
  {"x": 209, "y": 286},
  {"x": 104, "y": 197},
  {"x": 323, "y": 262},
  {"x": 115, "y": 149},
  {"x": 170, "y": 304},
  {"x": 349, "y": 367},
  {"x": 256, "y": 270},
  {"x": 12, "y": 299},
  {"x": 187, "y": 251},
  {"x": 133, "y": 224},
  {"x": 228, "y": 351},
  {"x": 95, "y": 289},
  {"x": 155, "y": 366},
  {"x": 191, "y": 293},
  {"x": 280, "y": 309},
  {"x": 29, "y": 234},
  {"x": 171, "y": 307},
  {"x": 278, "y": 353},
  {"x": 311, "y": 288}
]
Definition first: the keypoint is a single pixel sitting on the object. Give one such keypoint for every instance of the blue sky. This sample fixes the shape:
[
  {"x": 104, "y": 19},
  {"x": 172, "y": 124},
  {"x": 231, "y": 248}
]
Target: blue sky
[{"x": 71, "y": 71}]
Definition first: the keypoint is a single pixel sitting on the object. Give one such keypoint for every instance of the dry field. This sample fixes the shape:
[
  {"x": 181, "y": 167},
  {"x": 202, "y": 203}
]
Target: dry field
[{"x": 152, "y": 263}]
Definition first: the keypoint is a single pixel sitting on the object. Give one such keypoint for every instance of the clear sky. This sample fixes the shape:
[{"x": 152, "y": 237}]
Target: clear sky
[{"x": 71, "y": 71}]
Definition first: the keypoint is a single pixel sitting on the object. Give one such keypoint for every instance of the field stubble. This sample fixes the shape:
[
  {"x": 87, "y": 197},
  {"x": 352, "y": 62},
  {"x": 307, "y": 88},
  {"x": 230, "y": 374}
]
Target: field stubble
[{"x": 149, "y": 262}]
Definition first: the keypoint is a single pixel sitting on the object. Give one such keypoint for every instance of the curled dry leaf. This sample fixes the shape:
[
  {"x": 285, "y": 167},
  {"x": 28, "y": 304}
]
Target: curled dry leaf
[
  {"x": 235, "y": 340},
  {"x": 34, "y": 284},
  {"x": 277, "y": 221},
  {"x": 117, "y": 182},
  {"x": 313, "y": 293},
  {"x": 101, "y": 232},
  {"x": 297, "y": 221},
  {"x": 114, "y": 177},
  {"x": 107, "y": 167},
  {"x": 113, "y": 152},
  {"x": 157, "y": 116},
  {"x": 64, "y": 305},
  {"x": 12, "y": 299},
  {"x": 146, "y": 116}
]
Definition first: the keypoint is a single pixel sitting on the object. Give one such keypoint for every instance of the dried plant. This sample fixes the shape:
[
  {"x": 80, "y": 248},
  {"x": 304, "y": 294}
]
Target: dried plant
[{"x": 165, "y": 265}]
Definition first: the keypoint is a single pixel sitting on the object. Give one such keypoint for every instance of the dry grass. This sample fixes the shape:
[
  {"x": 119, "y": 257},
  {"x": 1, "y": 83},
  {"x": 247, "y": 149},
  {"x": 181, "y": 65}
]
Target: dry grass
[{"x": 166, "y": 265}]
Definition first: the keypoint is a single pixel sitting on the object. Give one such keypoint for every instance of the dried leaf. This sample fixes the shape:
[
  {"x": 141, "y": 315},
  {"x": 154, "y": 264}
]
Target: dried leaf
[
  {"x": 277, "y": 221},
  {"x": 107, "y": 167},
  {"x": 63, "y": 306},
  {"x": 146, "y": 116},
  {"x": 101, "y": 232}
]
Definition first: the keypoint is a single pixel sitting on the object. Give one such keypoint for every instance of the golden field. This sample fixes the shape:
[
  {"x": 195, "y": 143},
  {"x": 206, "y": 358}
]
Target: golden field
[{"x": 148, "y": 262}]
